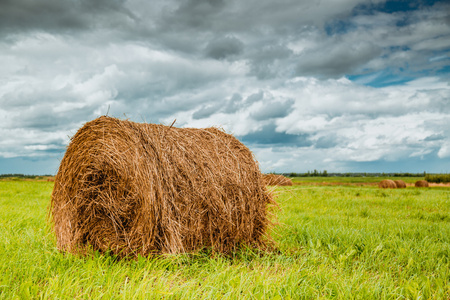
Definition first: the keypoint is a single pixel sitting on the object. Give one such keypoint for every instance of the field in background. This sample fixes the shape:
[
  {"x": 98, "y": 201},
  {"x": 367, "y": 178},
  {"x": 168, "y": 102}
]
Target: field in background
[
  {"x": 360, "y": 181},
  {"x": 342, "y": 241},
  {"x": 351, "y": 180}
]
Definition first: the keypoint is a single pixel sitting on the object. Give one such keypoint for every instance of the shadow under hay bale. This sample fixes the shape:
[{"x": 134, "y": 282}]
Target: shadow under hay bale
[
  {"x": 387, "y": 184},
  {"x": 400, "y": 184},
  {"x": 132, "y": 188},
  {"x": 280, "y": 180},
  {"x": 421, "y": 183}
]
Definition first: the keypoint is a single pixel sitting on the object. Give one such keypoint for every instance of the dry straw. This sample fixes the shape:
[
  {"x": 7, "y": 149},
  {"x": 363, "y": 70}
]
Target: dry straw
[
  {"x": 387, "y": 184},
  {"x": 138, "y": 189},
  {"x": 273, "y": 179},
  {"x": 421, "y": 183},
  {"x": 400, "y": 184}
]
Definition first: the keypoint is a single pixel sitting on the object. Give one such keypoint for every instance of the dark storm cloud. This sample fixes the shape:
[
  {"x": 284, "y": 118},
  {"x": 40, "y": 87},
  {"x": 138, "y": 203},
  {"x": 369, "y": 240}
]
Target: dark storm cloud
[
  {"x": 233, "y": 104},
  {"x": 254, "y": 97},
  {"x": 434, "y": 137},
  {"x": 271, "y": 61},
  {"x": 44, "y": 118},
  {"x": 272, "y": 109},
  {"x": 326, "y": 142},
  {"x": 225, "y": 47},
  {"x": 337, "y": 59},
  {"x": 54, "y": 16},
  {"x": 269, "y": 29},
  {"x": 227, "y": 106},
  {"x": 232, "y": 16},
  {"x": 256, "y": 32},
  {"x": 193, "y": 14},
  {"x": 269, "y": 136},
  {"x": 265, "y": 27},
  {"x": 206, "y": 111}
]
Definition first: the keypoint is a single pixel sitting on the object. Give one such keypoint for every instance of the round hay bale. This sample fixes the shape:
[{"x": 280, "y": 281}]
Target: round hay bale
[
  {"x": 280, "y": 180},
  {"x": 421, "y": 183},
  {"x": 139, "y": 189},
  {"x": 387, "y": 184},
  {"x": 400, "y": 184}
]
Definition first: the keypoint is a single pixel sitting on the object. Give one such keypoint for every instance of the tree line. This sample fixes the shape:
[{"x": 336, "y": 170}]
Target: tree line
[
  {"x": 438, "y": 178},
  {"x": 22, "y": 176},
  {"x": 325, "y": 173}
]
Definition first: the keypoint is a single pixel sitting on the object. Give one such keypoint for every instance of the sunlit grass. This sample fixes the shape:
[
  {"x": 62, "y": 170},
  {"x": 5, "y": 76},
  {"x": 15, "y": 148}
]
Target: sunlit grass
[{"x": 333, "y": 242}]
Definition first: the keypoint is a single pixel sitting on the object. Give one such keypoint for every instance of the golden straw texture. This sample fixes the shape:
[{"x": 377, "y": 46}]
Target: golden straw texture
[
  {"x": 387, "y": 184},
  {"x": 280, "y": 180},
  {"x": 421, "y": 183},
  {"x": 400, "y": 184},
  {"x": 133, "y": 188}
]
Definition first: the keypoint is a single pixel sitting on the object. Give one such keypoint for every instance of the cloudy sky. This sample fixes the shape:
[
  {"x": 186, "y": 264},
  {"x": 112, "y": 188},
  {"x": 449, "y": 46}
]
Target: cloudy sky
[{"x": 336, "y": 85}]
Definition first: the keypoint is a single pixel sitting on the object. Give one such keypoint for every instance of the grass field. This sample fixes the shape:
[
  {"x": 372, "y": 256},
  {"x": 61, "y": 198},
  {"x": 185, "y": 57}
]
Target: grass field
[{"x": 341, "y": 242}]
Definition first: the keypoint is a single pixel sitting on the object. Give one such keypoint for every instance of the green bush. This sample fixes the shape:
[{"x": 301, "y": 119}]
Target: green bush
[{"x": 438, "y": 178}]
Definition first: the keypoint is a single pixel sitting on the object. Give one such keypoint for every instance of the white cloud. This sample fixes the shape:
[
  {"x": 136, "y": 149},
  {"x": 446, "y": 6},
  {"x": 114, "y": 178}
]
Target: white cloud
[
  {"x": 444, "y": 151},
  {"x": 271, "y": 72},
  {"x": 366, "y": 124}
]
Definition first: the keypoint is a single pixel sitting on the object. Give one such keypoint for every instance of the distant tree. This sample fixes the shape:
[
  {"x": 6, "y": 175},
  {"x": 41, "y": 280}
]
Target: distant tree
[{"x": 438, "y": 178}]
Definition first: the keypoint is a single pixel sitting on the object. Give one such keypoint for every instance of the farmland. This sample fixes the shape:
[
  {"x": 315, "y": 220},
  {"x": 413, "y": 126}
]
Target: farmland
[{"x": 341, "y": 241}]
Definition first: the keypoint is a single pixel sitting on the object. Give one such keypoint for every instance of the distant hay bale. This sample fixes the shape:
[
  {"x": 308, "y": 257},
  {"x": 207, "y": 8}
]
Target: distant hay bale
[
  {"x": 280, "y": 180},
  {"x": 141, "y": 189},
  {"x": 421, "y": 183},
  {"x": 400, "y": 184},
  {"x": 387, "y": 184}
]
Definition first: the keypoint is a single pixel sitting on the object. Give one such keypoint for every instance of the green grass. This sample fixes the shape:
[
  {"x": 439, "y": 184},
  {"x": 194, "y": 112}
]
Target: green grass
[{"x": 336, "y": 242}]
